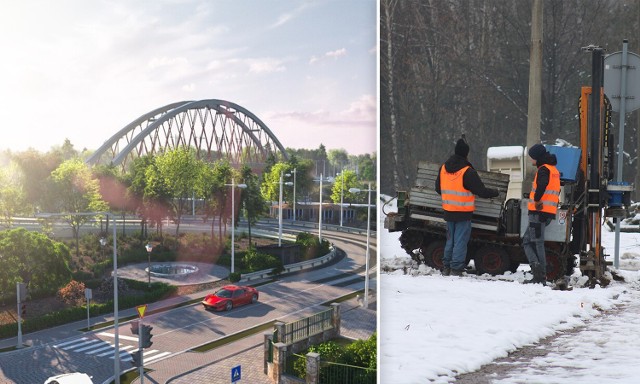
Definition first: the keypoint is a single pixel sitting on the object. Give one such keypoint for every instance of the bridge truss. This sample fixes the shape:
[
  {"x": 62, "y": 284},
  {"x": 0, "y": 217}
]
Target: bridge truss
[{"x": 216, "y": 129}]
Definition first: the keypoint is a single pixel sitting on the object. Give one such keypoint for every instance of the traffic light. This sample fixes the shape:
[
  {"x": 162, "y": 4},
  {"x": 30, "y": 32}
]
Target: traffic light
[
  {"x": 146, "y": 336},
  {"x": 134, "y": 327},
  {"x": 136, "y": 358},
  {"x": 23, "y": 310}
]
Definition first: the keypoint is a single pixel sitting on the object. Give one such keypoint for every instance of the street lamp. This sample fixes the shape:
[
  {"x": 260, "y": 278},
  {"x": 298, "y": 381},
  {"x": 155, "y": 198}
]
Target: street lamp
[
  {"x": 103, "y": 242},
  {"x": 149, "y": 248},
  {"x": 295, "y": 172},
  {"x": 341, "y": 194},
  {"x": 280, "y": 214},
  {"x": 366, "y": 276},
  {"x": 320, "y": 213},
  {"x": 116, "y": 332},
  {"x": 233, "y": 186}
]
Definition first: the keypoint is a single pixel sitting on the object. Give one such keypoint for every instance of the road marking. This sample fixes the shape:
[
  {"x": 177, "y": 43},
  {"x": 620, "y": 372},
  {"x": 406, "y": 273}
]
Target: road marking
[
  {"x": 73, "y": 346},
  {"x": 93, "y": 346},
  {"x": 107, "y": 346},
  {"x": 69, "y": 342},
  {"x": 120, "y": 336}
]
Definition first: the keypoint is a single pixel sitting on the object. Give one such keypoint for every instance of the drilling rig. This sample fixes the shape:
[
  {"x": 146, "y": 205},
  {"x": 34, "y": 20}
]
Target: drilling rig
[{"x": 589, "y": 195}]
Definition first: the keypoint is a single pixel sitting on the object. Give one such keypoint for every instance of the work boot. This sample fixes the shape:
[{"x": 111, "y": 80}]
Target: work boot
[
  {"x": 446, "y": 271},
  {"x": 534, "y": 273},
  {"x": 541, "y": 274},
  {"x": 456, "y": 272}
]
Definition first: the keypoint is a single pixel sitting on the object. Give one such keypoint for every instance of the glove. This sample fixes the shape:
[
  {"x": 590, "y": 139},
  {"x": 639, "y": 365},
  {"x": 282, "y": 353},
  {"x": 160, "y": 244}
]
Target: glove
[{"x": 538, "y": 205}]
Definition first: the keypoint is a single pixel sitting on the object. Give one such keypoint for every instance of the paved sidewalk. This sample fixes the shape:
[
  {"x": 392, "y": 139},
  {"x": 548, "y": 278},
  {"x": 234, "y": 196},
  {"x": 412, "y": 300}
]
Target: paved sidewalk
[{"x": 215, "y": 366}]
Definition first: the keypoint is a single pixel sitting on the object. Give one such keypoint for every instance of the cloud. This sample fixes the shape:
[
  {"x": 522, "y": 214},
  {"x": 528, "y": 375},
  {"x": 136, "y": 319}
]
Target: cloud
[
  {"x": 289, "y": 16},
  {"x": 329, "y": 55},
  {"x": 260, "y": 66}
]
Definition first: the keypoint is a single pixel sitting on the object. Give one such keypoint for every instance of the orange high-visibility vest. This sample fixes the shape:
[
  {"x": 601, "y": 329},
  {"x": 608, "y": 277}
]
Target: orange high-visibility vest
[
  {"x": 551, "y": 196},
  {"x": 454, "y": 196}
]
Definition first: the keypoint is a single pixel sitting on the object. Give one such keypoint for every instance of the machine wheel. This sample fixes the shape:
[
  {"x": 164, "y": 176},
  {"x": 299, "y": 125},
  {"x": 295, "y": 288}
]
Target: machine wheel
[
  {"x": 433, "y": 253},
  {"x": 555, "y": 269},
  {"x": 229, "y": 306},
  {"x": 492, "y": 260},
  {"x": 410, "y": 240},
  {"x": 254, "y": 298}
]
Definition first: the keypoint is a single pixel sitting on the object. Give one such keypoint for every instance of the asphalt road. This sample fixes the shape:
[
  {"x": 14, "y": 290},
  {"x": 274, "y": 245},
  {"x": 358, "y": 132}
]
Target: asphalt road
[{"x": 184, "y": 328}]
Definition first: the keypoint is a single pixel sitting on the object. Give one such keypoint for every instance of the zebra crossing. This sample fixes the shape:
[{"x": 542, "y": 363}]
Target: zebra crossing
[{"x": 102, "y": 348}]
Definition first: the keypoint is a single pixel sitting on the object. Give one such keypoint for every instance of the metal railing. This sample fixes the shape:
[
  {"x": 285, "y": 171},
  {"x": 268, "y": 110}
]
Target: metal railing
[
  {"x": 331, "y": 373},
  {"x": 309, "y": 326}
]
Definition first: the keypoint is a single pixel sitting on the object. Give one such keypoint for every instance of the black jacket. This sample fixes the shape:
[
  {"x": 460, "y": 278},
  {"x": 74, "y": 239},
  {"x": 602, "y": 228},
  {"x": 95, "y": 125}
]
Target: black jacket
[
  {"x": 470, "y": 181},
  {"x": 543, "y": 181}
]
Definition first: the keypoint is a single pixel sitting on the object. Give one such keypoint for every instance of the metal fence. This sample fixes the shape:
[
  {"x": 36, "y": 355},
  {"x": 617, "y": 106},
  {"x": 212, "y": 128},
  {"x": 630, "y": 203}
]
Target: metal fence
[
  {"x": 309, "y": 326},
  {"x": 330, "y": 372}
]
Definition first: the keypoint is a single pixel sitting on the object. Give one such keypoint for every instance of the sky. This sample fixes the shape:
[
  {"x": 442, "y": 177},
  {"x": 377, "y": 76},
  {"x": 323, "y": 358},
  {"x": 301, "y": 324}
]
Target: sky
[
  {"x": 82, "y": 70},
  {"x": 434, "y": 327}
]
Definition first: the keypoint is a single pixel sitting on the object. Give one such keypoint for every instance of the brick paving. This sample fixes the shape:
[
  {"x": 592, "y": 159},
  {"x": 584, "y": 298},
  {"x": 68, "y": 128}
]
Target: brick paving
[
  {"x": 215, "y": 366},
  {"x": 209, "y": 367}
]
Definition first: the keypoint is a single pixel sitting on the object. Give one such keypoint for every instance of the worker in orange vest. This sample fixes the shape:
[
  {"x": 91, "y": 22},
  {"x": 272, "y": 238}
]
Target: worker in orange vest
[
  {"x": 542, "y": 206},
  {"x": 457, "y": 183}
]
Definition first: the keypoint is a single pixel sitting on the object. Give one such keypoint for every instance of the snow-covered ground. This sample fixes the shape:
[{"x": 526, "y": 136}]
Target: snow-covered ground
[{"x": 433, "y": 328}]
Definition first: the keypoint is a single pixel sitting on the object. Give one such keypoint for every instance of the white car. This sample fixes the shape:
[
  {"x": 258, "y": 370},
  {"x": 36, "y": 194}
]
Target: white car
[{"x": 70, "y": 378}]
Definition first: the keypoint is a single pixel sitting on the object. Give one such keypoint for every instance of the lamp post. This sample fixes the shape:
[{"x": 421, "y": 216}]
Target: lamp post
[
  {"x": 294, "y": 172},
  {"x": 320, "y": 213},
  {"x": 149, "y": 248},
  {"x": 116, "y": 332},
  {"x": 341, "y": 194},
  {"x": 103, "y": 242},
  {"x": 280, "y": 214},
  {"x": 366, "y": 276},
  {"x": 233, "y": 186}
]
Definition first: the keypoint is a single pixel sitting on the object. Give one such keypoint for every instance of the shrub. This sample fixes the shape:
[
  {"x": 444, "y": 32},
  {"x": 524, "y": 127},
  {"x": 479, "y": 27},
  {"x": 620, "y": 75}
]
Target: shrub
[
  {"x": 234, "y": 277},
  {"x": 311, "y": 245},
  {"x": 254, "y": 261},
  {"x": 361, "y": 353},
  {"x": 72, "y": 293}
]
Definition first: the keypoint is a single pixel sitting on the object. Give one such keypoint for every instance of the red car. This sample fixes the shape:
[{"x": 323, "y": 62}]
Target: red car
[{"x": 230, "y": 296}]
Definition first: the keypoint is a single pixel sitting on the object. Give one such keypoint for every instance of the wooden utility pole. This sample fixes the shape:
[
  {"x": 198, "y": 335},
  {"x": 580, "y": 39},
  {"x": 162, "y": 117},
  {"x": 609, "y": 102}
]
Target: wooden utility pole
[{"x": 534, "y": 112}]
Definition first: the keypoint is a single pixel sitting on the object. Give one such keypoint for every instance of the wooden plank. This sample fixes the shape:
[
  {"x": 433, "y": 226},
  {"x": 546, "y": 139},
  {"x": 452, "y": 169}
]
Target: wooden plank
[{"x": 423, "y": 194}]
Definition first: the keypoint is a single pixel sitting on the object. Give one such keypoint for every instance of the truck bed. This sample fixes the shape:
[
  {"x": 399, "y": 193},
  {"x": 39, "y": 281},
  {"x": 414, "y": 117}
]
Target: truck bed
[{"x": 424, "y": 204}]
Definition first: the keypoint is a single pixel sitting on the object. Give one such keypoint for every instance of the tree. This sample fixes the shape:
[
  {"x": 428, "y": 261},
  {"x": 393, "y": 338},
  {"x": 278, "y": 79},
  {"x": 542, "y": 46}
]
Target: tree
[
  {"x": 340, "y": 190},
  {"x": 338, "y": 159},
  {"x": 270, "y": 187},
  {"x": 75, "y": 190},
  {"x": 252, "y": 200},
  {"x": 12, "y": 198},
  {"x": 211, "y": 187},
  {"x": 178, "y": 170},
  {"x": 36, "y": 169},
  {"x": 33, "y": 258}
]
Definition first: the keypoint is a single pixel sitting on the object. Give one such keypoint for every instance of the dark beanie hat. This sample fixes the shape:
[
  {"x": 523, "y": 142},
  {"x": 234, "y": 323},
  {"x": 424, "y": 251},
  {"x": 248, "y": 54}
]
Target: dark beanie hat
[
  {"x": 462, "y": 148},
  {"x": 537, "y": 151}
]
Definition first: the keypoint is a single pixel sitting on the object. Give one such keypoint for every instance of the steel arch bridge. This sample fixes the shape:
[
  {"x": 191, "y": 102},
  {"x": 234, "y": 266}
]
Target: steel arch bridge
[{"x": 216, "y": 129}]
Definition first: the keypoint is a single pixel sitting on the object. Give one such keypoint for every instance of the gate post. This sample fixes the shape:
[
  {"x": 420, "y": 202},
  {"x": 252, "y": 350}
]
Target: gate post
[
  {"x": 313, "y": 368},
  {"x": 335, "y": 318},
  {"x": 279, "y": 361},
  {"x": 268, "y": 351}
]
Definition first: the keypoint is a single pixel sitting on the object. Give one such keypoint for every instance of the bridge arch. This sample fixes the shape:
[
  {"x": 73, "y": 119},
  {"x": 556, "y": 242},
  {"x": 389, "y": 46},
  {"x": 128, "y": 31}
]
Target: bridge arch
[{"x": 215, "y": 128}]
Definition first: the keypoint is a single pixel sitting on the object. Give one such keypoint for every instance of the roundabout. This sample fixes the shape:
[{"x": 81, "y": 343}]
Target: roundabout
[{"x": 175, "y": 273}]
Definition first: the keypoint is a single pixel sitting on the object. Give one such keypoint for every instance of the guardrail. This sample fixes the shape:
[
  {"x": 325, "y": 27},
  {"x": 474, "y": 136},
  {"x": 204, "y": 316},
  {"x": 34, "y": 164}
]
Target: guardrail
[
  {"x": 267, "y": 273},
  {"x": 314, "y": 225}
]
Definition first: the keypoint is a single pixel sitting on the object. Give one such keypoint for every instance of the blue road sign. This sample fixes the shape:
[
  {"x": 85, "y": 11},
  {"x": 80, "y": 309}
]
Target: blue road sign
[{"x": 236, "y": 374}]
